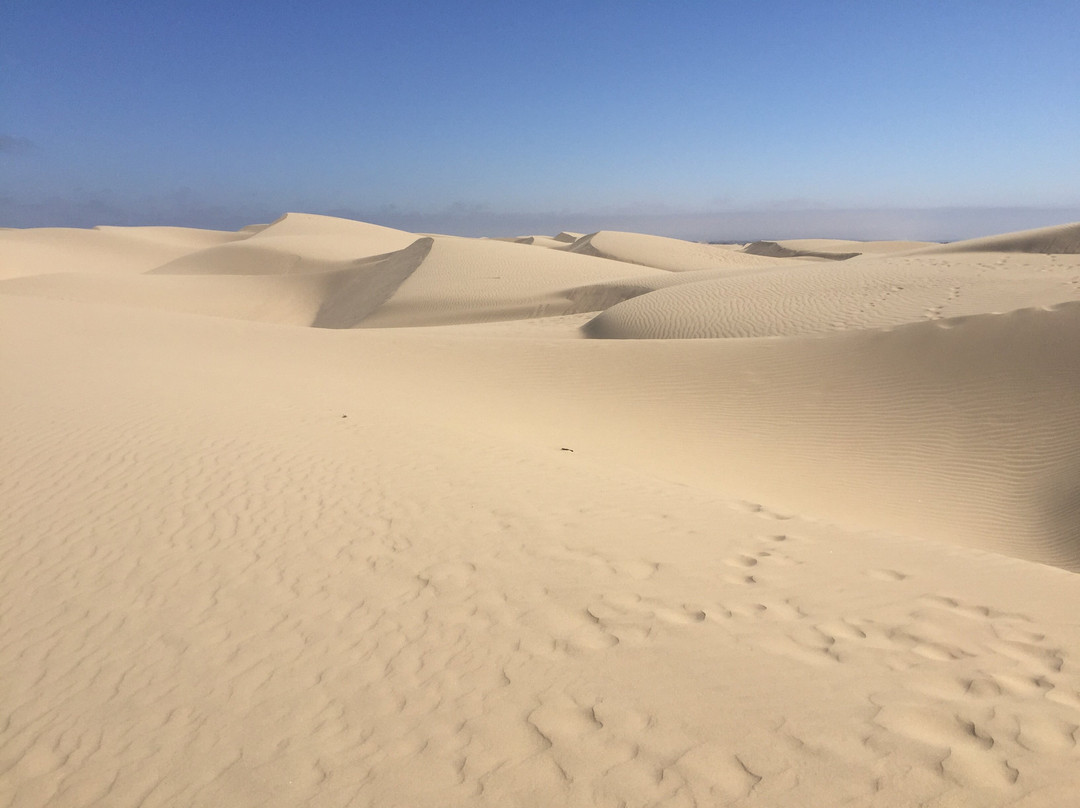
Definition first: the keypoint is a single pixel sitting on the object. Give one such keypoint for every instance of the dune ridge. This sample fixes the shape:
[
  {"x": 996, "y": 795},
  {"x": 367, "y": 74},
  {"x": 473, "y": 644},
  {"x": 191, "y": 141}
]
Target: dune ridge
[
  {"x": 1059, "y": 239},
  {"x": 673, "y": 255},
  {"x": 859, "y": 293},
  {"x": 774, "y": 249},
  {"x": 830, "y": 247},
  {"x": 100, "y": 250},
  {"x": 294, "y": 243},
  {"x": 400, "y": 288}
]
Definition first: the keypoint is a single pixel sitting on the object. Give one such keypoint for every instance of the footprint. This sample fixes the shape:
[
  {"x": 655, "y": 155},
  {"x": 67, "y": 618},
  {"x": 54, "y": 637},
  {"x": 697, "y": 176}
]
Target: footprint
[
  {"x": 940, "y": 600},
  {"x": 887, "y": 575},
  {"x": 589, "y": 638},
  {"x": 748, "y": 610},
  {"x": 559, "y": 629},
  {"x": 934, "y": 724},
  {"x": 973, "y": 611},
  {"x": 795, "y": 649},
  {"x": 740, "y": 580},
  {"x": 685, "y": 615},
  {"x": 614, "y": 612},
  {"x": 560, "y": 718},
  {"x": 760, "y": 510},
  {"x": 636, "y": 568},
  {"x": 841, "y": 629},
  {"x": 621, "y": 719},
  {"x": 447, "y": 572},
  {"x": 1030, "y": 655},
  {"x": 773, "y": 557},
  {"x": 1047, "y": 734},
  {"x": 784, "y": 610},
  {"x": 727, "y": 776}
]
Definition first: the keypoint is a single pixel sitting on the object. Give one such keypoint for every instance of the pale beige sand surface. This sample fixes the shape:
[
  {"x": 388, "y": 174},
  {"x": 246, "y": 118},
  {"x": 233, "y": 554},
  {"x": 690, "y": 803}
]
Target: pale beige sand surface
[
  {"x": 830, "y": 249},
  {"x": 671, "y": 254},
  {"x": 863, "y": 293},
  {"x": 1061, "y": 239},
  {"x": 362, "y": 517},
  {"x": 831, "y": 245},
  {"x": 111, "y": 250}
]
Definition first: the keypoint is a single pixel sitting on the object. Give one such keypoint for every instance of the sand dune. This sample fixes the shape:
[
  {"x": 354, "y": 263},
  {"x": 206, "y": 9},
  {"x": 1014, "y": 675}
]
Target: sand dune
[
  {"x": 671, "y": 254},
  {"x": 775, "y": 249},
  {"x": 1062, "y": 239},
  {"x": 101, "y": 250},
  {"x": 859, "y": 293},
  {"x": 322, "y": 513},
  {"x": 436, "y": 281},
  {"x": 537, "y": 241},
  {"x": 341, "y": 295},
  {"x": 295, "y": 243},
  {"x": 841, "y": 246},
  {"x": 465, "y": 280},
  {"x": 284, "y": 299},
  {"x": 567, "y": 237},
  {"x": 961, "y": 430}
]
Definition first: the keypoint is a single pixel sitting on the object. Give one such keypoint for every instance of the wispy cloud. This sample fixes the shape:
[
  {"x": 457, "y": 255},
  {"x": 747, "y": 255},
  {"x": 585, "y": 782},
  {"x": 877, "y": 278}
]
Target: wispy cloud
[{"x": 12, "y": 144}]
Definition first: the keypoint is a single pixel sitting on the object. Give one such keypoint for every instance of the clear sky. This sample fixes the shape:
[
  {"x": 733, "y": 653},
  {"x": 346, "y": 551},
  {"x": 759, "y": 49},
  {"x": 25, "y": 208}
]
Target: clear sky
[{"x": 492, "y": 116}]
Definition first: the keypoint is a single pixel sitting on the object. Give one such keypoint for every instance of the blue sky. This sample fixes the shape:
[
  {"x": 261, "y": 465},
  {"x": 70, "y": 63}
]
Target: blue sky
[{"x": 487, "y": 116}]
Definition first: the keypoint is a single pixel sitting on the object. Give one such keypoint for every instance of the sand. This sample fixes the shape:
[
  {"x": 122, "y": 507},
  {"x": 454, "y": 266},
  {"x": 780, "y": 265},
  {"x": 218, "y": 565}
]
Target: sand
[{"x": 322, "y": 513}]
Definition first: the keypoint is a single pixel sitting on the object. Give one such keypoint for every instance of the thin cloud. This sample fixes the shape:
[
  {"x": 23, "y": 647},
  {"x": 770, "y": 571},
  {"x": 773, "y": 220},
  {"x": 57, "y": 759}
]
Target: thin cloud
[{"x": 12, "y": 144}]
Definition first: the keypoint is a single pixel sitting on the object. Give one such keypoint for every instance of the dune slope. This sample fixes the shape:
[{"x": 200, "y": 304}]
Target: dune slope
[
  {"x": 859, "y": 293},
  {"x": 1059, "y": 239},
  {"x": 673, "y": 255}
]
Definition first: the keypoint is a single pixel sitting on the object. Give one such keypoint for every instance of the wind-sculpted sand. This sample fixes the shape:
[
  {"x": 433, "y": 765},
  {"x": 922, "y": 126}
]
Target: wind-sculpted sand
[{"x": 322, "y": 513}]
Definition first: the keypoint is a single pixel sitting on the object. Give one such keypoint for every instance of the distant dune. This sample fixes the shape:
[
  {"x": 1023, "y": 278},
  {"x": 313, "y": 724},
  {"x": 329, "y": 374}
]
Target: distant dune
[
  {"x": 670, "y": 254},
  {"x": 865, "y": 292},
  {"x": 1064, "y": 239},
  {"x": 325, "y": 513}
]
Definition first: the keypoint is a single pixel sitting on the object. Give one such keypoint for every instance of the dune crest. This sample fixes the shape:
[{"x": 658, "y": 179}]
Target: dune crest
[
  {"x": 774, "y": 249},
  {"x": 352, "y": 295},
  {"x": 1060, "y": 239},
  {"x": 293, "y": 244},
  {"x": 102, "y": 250},
  {"x": 865, "y": 292},
  {"x": 673, "y": 255}
]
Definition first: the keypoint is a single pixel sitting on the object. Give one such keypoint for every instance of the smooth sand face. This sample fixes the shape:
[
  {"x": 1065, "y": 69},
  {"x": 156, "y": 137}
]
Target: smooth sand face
[{"x": 322, "y": 513}]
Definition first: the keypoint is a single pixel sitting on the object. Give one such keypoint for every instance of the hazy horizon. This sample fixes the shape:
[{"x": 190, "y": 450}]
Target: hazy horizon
[{"x": 928, "y": 224}]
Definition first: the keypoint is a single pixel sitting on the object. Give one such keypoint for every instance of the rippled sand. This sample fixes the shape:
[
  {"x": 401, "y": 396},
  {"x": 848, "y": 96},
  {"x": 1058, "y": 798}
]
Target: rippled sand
[{"x": 324, "y": 513}]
